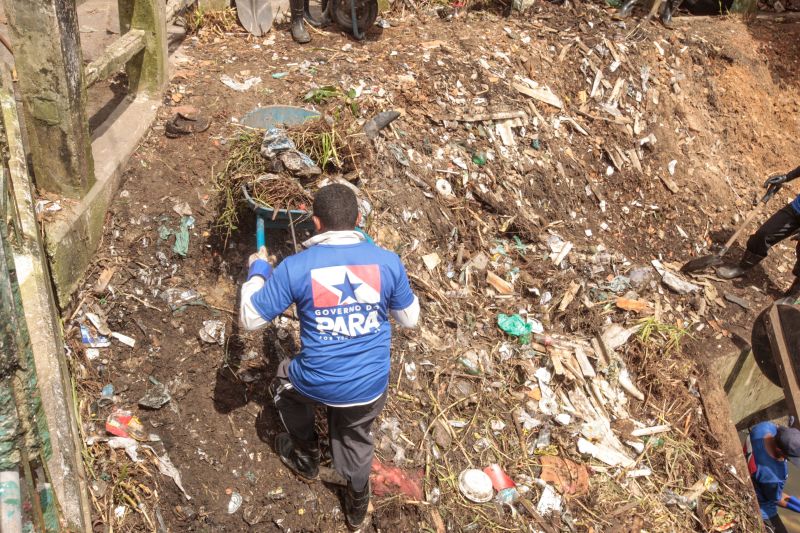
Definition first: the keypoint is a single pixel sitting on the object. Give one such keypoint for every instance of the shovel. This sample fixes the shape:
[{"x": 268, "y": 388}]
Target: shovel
[
  {"x": 255, "y": 15},
  {"x": 706, "y": 261}
]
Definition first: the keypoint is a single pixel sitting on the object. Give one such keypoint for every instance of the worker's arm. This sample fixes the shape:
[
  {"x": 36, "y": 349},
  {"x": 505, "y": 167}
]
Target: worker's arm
[
  {"x": 404, "y": 304},
  {"x": 265, "y": 294},
  {"x": 789, "y": 502},
  {"x": 409, "y": 316}
]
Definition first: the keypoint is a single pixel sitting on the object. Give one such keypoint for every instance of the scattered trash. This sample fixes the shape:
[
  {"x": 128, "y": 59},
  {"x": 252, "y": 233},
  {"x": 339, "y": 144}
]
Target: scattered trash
[
  {"x": 177, "y": 298},
  {"x": 475, "y": 485},
  {"x": 168, "y": 469},
  {"x": 391, "y": 480},
  {"x": 571, "y": 478},
  {"x": 549, "y": 501},
  {"x": 213, "y": 332},
  {"x": 374, "y": 125},
  {"x": 432, "y": 260},
  {"x": 234, "y": 503},
  {"x": 181, "y": 245},
  {"x": 185, "y": 122},
  {"x": 123, "y": 423},
  {"x": 99, "y": 323},
  {"x": 498, "y": 477},
  {"x": 246, "y": 85},
  {"x": 156, "y": 396},
  {"x": 106, "y": 395},
  {"x": 93, "y": 340},
  {"x": 124, "y": 339},
  {"x": 499, "y": 284},
  {"x": 741, "y": 302},
  {"x": 47, "y": 206},
  {"x": 516, "y": 326},
  {"x": 673, "y": 280},
  {"x": 444, "y": 188}
]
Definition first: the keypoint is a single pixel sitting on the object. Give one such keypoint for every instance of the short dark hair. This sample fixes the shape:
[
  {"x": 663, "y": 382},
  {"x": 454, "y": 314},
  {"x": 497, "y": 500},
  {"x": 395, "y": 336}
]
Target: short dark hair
[{"x": 336, "y": 207}]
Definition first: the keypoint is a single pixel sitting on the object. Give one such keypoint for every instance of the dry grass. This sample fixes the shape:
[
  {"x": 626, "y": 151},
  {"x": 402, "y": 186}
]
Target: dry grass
[
  {"x": 331, "y": 144},
  {"x": 204, "y": 22}
]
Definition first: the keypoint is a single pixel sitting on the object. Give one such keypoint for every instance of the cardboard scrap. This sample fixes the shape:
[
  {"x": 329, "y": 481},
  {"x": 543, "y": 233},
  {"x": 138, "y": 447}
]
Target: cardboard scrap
[{"x": 569, "y": 477}]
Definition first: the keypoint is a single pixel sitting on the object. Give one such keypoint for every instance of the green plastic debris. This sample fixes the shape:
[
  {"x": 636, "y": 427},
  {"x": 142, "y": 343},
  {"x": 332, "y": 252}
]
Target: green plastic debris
[
  {"x": 279, "y": 75},
  {"x": 321, "y": 95},
  {"x": 536, "y": 145},
  {"x": 479, "y": 158},
  {"x": 471, "y": 367},
  {"x": 181, "y": 246},
  {"x": 516, "y": 326}
]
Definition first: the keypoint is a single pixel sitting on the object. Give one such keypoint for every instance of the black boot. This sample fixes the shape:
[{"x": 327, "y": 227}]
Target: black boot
[
  {"x": 748, "y": 261},
  {"x": 299, "y": 32},
  {"x": 666, "y": 13},
  {"x": 355, "y": 506},
  {"x": 302, "y": 457}
]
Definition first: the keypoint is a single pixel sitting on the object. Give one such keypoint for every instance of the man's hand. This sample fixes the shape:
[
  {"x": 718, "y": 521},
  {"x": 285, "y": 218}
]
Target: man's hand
[
  {"x": 790, "y": 502},
  {"x": 261, "y": 254}
]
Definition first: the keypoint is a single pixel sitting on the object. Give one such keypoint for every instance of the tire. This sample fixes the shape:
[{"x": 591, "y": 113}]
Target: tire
[{"x": 366, "y": 14}]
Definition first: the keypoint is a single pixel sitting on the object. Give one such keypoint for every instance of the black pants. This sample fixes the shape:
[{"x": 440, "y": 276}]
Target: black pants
[
  {"x": 774, "y": 524},
  {"x": 349, "y": 428},
  {"x": 780, "y": 226}
]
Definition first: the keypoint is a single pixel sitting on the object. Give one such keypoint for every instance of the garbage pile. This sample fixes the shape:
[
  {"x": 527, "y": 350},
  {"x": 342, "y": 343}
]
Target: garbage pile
[
  {"x": 534, "y": 181},
  {"x": 521, "y": 187}
]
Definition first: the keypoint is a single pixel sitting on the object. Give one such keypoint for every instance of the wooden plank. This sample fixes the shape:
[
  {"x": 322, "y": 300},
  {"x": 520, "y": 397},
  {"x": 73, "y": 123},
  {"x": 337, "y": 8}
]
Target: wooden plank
[
  {"x": 115, "y": 57},
  {"x": 783, "y": 360}
]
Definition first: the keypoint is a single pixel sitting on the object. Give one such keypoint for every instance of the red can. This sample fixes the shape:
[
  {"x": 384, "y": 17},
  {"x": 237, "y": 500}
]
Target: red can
[{"x": 500, "y": 479}]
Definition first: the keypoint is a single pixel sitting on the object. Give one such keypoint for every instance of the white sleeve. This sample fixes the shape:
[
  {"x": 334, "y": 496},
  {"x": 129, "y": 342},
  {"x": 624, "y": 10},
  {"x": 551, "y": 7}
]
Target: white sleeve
[
  {"x": 249, "y": 318},
  {"x": 409, "y": 316}
]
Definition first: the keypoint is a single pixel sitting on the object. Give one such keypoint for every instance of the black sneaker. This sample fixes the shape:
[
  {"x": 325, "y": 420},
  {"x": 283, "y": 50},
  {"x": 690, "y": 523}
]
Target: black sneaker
[
  {"x": 302, "y": 458},
  {"x": 356, "y": 505}
]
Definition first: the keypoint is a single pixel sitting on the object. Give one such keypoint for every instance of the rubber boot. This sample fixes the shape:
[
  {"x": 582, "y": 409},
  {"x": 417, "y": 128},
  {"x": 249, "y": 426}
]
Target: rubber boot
[
  {"x": 356, "y": 505},
  {"x": 666, "y": 13},
  {"x": 626, "y": 9},
  {"x": 748, "y": 261},
  {"x": 299, "y": 32},
  {"x": 302, "y": 457}
]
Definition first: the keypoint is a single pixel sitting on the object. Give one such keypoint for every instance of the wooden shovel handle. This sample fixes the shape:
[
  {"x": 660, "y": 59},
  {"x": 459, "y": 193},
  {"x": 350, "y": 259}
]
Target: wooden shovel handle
[{"x": 748, "y": 219}]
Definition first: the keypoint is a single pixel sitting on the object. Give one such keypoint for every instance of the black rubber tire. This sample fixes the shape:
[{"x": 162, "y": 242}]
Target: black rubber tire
[{"x": 366, "y": 14}]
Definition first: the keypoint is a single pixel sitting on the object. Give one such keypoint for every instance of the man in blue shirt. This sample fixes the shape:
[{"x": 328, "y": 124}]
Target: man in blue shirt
[
  {"x": 766, "y": 450},
  {"x": 783, "y": 224},
  {"x": 344, "y": 289}
]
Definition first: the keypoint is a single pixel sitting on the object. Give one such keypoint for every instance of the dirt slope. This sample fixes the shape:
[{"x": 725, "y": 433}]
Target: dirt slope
[{"x": 718, "y": 95}]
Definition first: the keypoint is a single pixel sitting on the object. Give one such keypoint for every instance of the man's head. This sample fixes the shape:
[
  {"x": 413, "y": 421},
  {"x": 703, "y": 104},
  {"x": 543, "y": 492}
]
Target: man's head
[
  {"x": 788, "y": 442},
  {"x": 335, "y": 208}
]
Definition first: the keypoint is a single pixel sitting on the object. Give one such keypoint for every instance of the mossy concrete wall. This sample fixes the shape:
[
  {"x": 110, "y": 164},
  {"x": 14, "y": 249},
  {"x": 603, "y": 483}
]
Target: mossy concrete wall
[
  {"x": 753, "y": 397},
  {"x": 72, "y": 238}
]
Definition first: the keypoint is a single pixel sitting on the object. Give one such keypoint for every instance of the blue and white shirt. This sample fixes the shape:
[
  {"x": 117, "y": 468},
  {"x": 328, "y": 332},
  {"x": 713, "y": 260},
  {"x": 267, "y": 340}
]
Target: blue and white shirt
[
  {"x": 768, "y": 474},
  {"x": 345, "y": 289}
]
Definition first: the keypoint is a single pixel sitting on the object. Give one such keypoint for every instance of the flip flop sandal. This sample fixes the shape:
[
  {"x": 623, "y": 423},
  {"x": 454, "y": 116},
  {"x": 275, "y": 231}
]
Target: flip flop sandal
[{"x": 184, "y": 124}]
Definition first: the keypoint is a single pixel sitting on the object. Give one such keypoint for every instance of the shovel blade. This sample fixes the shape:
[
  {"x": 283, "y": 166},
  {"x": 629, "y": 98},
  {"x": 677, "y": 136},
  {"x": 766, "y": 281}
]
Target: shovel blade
[
  {"x": 701, "y": 263},
  {"x": 255, "y": 15}
]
